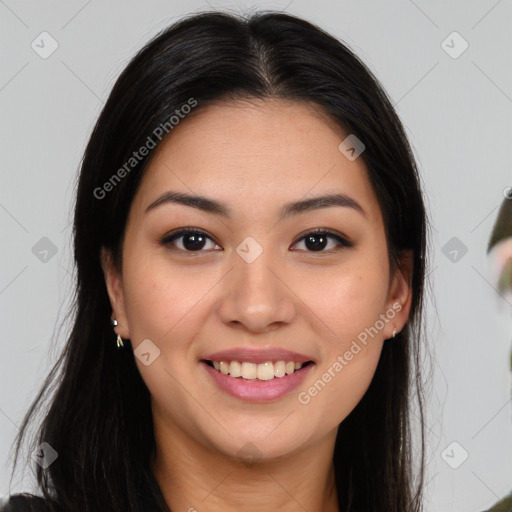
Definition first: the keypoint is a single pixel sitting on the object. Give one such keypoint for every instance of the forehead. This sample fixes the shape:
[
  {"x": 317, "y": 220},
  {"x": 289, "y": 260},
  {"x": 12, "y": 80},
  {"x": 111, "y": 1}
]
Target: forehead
[{"x": 255, "y": 154}]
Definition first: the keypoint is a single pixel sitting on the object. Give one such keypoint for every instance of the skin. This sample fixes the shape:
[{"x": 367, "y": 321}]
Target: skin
[{"x": 254, "y": 157}]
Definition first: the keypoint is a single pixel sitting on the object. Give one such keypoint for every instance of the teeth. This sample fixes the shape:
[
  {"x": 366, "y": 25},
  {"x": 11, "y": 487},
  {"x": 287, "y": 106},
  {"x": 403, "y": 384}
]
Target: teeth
[
  {"x": 266, "y": 371},
  {"x": 249, "y": 370},
  {"x": 235, "y": 369},
  {"x": 279, "y": 369},
  {"x": 252, "y": 371}
]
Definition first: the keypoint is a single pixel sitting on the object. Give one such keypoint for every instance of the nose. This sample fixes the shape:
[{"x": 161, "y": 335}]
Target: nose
[{"x": 257, "y": 296}]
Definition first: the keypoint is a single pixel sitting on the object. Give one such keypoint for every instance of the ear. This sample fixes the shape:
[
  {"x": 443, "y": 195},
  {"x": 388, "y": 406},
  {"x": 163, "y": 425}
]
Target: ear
[
  {"x": 114, "y": 283},
  {"x": 400, "y": 294}
]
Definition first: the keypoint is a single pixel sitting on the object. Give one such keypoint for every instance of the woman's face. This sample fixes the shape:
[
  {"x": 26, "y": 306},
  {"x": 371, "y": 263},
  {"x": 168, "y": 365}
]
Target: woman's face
[{"x": 255, "y": 280}]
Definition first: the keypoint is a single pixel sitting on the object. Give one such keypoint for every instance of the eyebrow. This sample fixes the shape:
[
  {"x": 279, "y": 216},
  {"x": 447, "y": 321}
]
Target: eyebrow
[{"x": 295, "y": 208}]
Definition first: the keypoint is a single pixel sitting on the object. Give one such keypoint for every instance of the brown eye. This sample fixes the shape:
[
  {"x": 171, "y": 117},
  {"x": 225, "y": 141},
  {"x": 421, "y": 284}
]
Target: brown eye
[
  {"x": 193, "y": 240},
  {"x": 317, "y": 240}
]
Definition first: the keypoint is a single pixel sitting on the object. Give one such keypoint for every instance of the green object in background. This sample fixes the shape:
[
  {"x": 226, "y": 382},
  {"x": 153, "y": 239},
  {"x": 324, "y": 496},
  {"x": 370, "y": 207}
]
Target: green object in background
[
  {"x": 505, "y": 280},
  {"x": 505, "y": 505},
  {"x": 503, "y": 226},
  {"x": 503, "y": 230}
]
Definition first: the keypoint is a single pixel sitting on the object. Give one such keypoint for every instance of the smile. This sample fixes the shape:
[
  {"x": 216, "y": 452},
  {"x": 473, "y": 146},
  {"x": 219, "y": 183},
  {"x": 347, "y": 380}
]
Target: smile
[
  {"x": 251, "y": 388},
  {"x": 264, "y": 371}
]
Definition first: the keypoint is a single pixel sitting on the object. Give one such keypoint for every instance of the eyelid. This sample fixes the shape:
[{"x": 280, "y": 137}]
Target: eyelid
[
  {"x": 342, "y": 239},
  {"x": 178, "y": 233}
]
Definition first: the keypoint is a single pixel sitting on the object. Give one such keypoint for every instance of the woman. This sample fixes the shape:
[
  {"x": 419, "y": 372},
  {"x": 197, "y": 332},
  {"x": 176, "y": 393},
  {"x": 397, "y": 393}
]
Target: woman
[{"x": 250, "y": 240}]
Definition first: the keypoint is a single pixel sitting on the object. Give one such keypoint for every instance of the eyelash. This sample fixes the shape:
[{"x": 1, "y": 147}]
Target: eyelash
[{"x": 168, "y": 239}]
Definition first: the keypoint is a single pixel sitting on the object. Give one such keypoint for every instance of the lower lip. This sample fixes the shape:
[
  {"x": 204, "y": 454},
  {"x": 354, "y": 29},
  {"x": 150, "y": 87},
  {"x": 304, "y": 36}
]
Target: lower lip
[{"x": 254, "y": 390}]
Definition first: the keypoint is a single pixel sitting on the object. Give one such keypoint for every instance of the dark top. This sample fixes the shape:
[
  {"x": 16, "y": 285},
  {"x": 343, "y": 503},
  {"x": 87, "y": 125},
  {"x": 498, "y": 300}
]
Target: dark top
[
  {"x": 150, "y": 500},
  {"x": 21, "y": 503}
]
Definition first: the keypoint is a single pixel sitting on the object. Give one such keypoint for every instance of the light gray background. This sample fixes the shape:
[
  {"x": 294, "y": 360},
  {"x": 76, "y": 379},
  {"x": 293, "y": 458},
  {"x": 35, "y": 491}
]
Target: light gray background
[{"x": 458, "y": 115}]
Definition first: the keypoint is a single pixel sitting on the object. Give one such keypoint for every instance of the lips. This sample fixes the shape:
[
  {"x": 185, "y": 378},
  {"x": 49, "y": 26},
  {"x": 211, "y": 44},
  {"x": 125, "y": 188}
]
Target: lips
[{"x": 254, "y": 390}]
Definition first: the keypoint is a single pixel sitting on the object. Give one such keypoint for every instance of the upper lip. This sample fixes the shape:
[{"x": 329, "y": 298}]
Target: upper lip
[{"x": 258, "y": 356}]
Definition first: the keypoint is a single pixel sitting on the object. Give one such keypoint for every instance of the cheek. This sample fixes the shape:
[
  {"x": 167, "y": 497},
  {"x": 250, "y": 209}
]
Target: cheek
[
  {"x": 352, "y": 345},
  {"x": 348, "y": 299},
  {"x": 161, "y": 301},
  {"x": 349, "y": 381},
  {"x": 350, "y": 303},
  {"x": 165, "y": 306}
]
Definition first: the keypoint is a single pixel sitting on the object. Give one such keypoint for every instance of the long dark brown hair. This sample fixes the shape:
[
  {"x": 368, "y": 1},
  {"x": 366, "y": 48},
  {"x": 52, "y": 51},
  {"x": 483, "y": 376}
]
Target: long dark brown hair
[{"x": 97, "y": 413}]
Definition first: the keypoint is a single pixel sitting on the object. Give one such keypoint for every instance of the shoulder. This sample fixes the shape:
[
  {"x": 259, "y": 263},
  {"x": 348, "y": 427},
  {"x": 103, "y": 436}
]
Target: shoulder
[{"x": 23, "y": 503}]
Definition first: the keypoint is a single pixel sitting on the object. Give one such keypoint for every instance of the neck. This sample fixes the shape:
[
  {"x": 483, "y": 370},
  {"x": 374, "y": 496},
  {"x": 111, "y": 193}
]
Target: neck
[{"x": 193, "y": 477}]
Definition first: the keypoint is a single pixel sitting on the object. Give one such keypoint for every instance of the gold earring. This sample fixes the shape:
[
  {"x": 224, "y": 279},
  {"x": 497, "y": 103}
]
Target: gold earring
[{"x": 119, "y": 339}]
